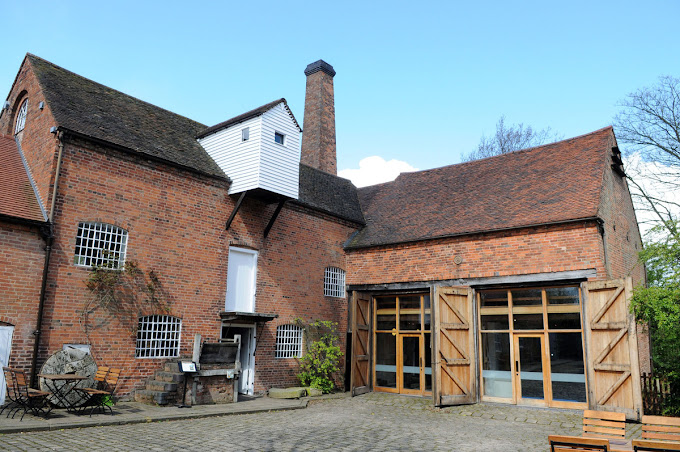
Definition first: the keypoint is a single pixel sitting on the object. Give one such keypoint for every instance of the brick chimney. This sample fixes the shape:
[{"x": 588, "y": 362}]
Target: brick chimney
[{"x": 318, "y": 138}]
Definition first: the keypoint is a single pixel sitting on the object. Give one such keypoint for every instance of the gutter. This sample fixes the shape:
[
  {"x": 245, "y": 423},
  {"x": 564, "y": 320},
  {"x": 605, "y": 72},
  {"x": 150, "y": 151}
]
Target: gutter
[{"x": 48, "y": 235}]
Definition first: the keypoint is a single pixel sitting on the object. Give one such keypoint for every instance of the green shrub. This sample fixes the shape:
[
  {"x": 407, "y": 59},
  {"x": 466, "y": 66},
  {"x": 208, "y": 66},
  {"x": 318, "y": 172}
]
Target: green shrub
[{"x": 321, "y": 361}]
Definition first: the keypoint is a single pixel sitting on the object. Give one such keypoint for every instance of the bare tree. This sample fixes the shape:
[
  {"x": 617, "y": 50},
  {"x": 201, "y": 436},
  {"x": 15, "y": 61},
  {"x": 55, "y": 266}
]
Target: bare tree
[
  {"x": 649, "y": 124},
  {"x": 510, "y": 138}
]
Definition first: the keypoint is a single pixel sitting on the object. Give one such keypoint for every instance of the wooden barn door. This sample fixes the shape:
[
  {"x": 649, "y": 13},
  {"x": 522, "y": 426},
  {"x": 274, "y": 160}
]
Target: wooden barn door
[
  {"x": 454, "y": 356},
  {"x": 361, "y": 351},
  {"x": 611, "y": 341}
]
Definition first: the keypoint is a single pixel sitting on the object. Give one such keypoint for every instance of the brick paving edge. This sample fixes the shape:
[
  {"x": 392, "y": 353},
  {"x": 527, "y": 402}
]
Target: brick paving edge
[{"x": 146, "y": 420}]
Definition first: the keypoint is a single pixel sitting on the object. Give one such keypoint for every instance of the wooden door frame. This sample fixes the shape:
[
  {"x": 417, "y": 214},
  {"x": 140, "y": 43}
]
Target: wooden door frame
[
  {"x": 400, "y": 364},
  {"x": 545, "y": 368},
  {"x": 396, "y": 332}
]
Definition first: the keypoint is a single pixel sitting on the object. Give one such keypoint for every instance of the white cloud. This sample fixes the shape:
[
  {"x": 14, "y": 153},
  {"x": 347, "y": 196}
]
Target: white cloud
[{"x": 376, "y": 170}]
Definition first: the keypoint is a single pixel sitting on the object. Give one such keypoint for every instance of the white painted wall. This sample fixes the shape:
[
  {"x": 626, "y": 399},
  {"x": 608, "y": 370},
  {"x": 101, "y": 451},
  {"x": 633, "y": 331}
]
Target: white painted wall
[
  {"x": 5, "y": 348},
  {"x": 259, "y": 162}
]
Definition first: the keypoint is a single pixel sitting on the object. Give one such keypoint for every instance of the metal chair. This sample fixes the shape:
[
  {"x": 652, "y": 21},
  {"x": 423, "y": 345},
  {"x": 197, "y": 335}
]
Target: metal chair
[
  {"x": 561, "y": 443},
  {"x": 645, "y": 445},
  {"x": 101, "y": 396},
  {"x": 27, "y": 398},
  {"x": 12, "y": 404}
]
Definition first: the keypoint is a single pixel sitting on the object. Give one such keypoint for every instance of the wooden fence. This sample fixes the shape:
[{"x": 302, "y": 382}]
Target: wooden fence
[{"x": 655, "y": 391}]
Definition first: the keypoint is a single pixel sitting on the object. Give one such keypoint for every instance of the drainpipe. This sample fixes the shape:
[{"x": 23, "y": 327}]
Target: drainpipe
[
  {"x": 600, "y": 228},
  {"x": 48, "y": 234}
]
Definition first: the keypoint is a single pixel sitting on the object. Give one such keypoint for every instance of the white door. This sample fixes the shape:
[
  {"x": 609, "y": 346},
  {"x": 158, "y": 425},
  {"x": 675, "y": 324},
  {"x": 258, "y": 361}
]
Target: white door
[
  {"x": 246, "y": 383},
  {"x": 247, "y": 357},
  {"x": 241, "y": 279},
  {"x": 5, "y": 346}
]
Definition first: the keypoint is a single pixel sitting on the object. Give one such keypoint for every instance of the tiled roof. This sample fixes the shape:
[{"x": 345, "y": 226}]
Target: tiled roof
[
  {"x": 94, "y": 110},
  {"x": 248, "y": 115},
  {"x": 546, "y": 184},
  {"x": 328, "y": 193},
  {"x": 17, "y": 196}
]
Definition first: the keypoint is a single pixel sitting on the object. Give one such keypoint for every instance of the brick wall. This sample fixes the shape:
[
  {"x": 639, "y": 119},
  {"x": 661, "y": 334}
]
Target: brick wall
[
  {"x": 623, "y": 241},
  {"x": 22, "y": 253},
  {"x": 38, "y": 145},
  {"x": 175, "y": 221},
  {"x": 574, "y": 246}
]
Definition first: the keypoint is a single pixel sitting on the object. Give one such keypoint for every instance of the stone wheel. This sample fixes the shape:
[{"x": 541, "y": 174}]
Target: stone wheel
[{"x": 65, "y": 362}]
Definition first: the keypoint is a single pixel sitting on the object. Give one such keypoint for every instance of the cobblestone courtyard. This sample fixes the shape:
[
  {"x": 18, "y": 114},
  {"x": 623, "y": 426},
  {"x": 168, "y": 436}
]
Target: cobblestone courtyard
[{"x": 370, "y": 422}]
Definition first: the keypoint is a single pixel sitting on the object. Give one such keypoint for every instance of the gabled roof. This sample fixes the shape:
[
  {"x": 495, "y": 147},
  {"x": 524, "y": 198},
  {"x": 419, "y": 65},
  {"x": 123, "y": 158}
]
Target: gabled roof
[
  {"x": 97, "y": 111},
  {"x": 248, "y": 115},
  {"x": 329, "y": 193},
  {"x": 553, "y": 183},
  {"x": 18, "y": 198}
]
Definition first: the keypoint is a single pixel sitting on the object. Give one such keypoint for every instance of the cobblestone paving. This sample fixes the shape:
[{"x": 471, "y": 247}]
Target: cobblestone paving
[{"x": 370, "y": 422}]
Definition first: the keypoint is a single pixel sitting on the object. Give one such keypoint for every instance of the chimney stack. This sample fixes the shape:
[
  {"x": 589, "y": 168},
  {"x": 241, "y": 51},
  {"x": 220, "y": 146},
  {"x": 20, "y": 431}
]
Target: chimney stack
[{"x": 318, "y": 138}]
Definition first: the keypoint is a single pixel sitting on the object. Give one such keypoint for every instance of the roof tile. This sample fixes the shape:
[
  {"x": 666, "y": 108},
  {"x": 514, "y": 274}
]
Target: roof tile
[
  {"x": 17, "y": 196},
  {"x": 546, "y": 184}
]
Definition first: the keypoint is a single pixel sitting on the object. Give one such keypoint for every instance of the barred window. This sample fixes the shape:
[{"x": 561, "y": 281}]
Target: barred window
[
  {"x": 334, "y": 282},
  {"x": 100, "y": 245},
  {"x": 21, "y": 117},
  {"x": 288, "y": 341},
  {"x": 158, "y": 336}
]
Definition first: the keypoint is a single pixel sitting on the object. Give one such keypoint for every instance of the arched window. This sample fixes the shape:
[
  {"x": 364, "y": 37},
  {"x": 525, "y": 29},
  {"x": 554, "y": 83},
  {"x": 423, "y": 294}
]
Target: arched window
[
  {"x": 21, "y": 117},
  {"x": 334, "y": 282},
  {"x": 158, "y": 336}
]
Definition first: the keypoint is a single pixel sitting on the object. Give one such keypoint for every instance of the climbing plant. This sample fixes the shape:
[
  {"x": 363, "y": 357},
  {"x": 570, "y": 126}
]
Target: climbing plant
[
  {"x": 122, "y": 294},
  {"x": 320, "y": 364}
]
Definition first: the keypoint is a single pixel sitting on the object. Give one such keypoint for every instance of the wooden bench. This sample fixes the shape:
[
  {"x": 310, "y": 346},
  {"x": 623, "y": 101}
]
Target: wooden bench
[
  {"x": 645, "y": 445},
  {"x": 604, "y": 424},
  {"x": 561, "y": 443},
  {"x": 661, "y": 428}
]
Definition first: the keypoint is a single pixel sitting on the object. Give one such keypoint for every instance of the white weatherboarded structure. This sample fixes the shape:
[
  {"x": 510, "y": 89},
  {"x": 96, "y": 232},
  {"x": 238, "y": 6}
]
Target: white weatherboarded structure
[{"x": 259, "y": 149}]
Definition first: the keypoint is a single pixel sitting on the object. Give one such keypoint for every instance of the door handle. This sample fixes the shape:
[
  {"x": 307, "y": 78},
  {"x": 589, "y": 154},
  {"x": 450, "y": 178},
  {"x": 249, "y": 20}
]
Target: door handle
[
  {"x": 394, "y": 331},
  {"x": 517, "y": 366}
]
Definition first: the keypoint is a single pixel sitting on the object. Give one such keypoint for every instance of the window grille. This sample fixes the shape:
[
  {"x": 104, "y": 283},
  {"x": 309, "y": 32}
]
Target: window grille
[
  {"x": 158, "y": 336},
  {"x": 288, "y": 341},
  {"x": 334, "y": 282},
  {"x": 100, "y": 245},
  {"x": 21, "y": 117}
]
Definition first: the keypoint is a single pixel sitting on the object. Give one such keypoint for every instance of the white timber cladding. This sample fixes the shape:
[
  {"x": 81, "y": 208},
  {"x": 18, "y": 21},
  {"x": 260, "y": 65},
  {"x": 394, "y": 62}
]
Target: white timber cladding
[{"x": 259, "y": 162}]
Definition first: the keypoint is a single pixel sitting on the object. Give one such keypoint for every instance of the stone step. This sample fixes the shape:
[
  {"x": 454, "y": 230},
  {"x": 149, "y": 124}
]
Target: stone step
[
  {"x": 171, "y": 377},
  {"x": 162, "y": 386},
  {"x": 154, "y": 397}
]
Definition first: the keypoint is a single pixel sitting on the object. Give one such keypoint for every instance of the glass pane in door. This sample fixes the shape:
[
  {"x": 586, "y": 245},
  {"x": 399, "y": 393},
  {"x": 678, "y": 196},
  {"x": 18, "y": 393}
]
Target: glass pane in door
[
  {"x": 386, "y": 360},
  {"x": 386, "y": 313},
  {"x": 496, "y": 371},
  {"x": 411, "y": 362},
  {"x": 409, "y": 312},
  {"x": 566, "y": 367},
  {"x": 531, "y": 367}
]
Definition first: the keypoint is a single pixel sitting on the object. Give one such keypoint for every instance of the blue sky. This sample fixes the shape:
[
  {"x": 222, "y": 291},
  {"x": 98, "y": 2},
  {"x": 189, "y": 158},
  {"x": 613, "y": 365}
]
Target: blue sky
[{"x": 416, "y": 82}]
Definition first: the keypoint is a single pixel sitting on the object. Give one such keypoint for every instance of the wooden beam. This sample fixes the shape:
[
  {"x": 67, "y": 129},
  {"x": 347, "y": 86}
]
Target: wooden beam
[
  {"x": 236, "y": 207},
  {"x": 273, "y": 219}
]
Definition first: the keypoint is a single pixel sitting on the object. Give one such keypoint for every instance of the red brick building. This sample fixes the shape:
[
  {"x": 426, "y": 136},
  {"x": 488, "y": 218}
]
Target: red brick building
[{"x": 501, "y": 279}]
